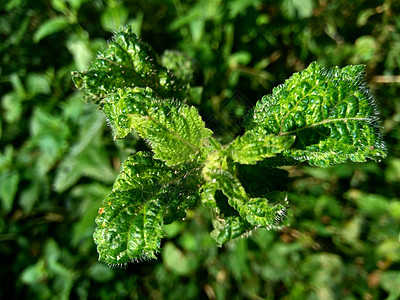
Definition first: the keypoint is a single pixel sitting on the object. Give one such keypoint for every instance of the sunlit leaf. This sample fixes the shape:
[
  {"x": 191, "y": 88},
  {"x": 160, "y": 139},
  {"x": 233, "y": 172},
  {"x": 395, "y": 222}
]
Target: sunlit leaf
[
  {"x": 146, "y": 195},
  {"x": 175, "y": 131},
  {"x": 330, "y": 111}
]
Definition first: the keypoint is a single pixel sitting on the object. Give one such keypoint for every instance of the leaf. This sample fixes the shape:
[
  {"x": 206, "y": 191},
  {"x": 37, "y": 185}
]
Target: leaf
[
  {"x": 50, "y": 27},
  {"x": 227, "y": 226},
  {"x": 253, "y": 147},
  {"x": 174, "y": 130},
  {"x": 182, "y": 65},
  {"x": 330, "y": 111},
  {"x": 87, "y": 157},
  {"x": 175, "y": 260},
  {"x": 257, "y": 211},
  {"x": 8, "y": 189},
  {"x": 390, "y": 282},
  {"x": 126, "y": 62},
  {"x": 248, "y": 212},
  {"x": 49, "y": 133},
  {"x": 114, "y": 17},
  {"x": 146, "y": 195},
  {"x": 38, "y": 84},
  {"x": 80, "y": 51},
  {"x": 12, "y": 105}
]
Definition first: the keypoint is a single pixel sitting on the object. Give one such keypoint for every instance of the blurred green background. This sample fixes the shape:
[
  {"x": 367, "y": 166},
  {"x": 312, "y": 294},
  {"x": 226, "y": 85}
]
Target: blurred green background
[{"x": 58, "y": 160}]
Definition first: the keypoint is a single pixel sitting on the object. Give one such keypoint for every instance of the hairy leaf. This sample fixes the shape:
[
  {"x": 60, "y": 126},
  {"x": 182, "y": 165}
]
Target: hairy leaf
[
  {"x": 257, "y": 211},
  {"x": 253, "y": 147},
  {"x": 174, "y": 130},
  {"x": 227, "y": 226},
  {"x": 146, "y": 195},
  {"x": 330, "y": 111},
  {"x": 127, "y": 62}
]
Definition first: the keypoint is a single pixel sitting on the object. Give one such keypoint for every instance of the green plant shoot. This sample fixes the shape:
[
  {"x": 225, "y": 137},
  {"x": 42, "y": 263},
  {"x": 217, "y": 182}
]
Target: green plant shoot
[{"x": 319, "y": 116}]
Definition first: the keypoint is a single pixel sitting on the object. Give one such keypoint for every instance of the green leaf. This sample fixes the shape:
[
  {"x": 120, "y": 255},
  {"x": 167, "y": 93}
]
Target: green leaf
[
  {"x": 87, "y": 157},
  {"x": 227, "y": 223},
  {"x": 146, "y": 195},
  {"x": 80, "y": 51},
  {"x": 126, "y": 62},
  {"x": 257, "y": 211},
  {"x": 182, "y": 65},
  {"x": 114, "y": 17},
  {"x": 8, "y": 189},
  {"x": 49, "y": 134},
  {"x": 50, "y": 27},
  {"x": 12, "y": 105},
  {"x": 59, "y": 5},
  {"x": 229, "y": 228},
  {"x": 330, "y": 111},
  {"x": 253, "y": 147},
  {"x": 267, "y": 212},
  {"x": 174, "y": 130},
  {"x": 175, "y": 260},
  {"x": 38, "y": 84},
  {"x": 390, "y": 282}
]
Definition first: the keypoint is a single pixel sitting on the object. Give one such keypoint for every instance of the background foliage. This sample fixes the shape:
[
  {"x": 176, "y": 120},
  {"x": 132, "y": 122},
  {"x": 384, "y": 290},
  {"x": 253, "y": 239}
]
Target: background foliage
[{"x": 58, "y": 160}]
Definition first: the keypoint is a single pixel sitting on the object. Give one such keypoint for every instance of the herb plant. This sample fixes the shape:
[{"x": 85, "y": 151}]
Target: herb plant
[{"x": 319, "y": 116}]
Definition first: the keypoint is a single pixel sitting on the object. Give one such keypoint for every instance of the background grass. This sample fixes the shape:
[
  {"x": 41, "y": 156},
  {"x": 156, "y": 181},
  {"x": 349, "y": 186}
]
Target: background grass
[{"x": 58, "y": 160}]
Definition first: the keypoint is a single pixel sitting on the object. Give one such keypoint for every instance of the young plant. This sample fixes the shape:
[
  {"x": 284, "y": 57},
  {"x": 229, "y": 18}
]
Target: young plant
[{"x": 319, "y": 116}]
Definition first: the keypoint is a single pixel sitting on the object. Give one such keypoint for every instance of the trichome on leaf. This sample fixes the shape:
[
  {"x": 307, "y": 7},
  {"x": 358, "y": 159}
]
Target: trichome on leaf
[{"x": 319, "y": 116}]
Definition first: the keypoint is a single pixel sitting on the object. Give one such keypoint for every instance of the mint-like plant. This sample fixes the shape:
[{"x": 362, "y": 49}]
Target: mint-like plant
[{"x": 319, "y": 116}]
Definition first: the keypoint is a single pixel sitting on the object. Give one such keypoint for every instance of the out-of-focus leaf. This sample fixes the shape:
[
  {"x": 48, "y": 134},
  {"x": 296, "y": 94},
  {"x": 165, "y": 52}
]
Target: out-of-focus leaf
[
  {"x": 175, "y": 260},
  {"x": 101, "y": 273},
  {"x": 8, "y": 188},
  {"x": 390, "y": 249},
  {"x": 38, "y": 84},
  {"x": 86, "y": 158},
  {"x": 392, "y": 172},
  {"x": 90, "y": 197},
  {"x": 50, "y": 267},
  {"x": 80, "y": 50},
  {"x": 365, "y": 48},
  {"x": 30, "y": 195},
  {"x": 113, "y": 18},
  {"x": 12, "y": 105},
  {"x": 390, "y": 281},
  {"x": 49, "y": 134},
  {"x": 59, "y": 5},
  {"x": 298, "y": 8},
  {"x": 50, "y": 27}
]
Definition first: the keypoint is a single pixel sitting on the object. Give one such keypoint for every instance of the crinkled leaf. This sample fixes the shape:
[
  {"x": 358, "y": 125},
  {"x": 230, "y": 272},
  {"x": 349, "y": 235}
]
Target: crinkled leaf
[
  {"x": 146, "y": 195},
  {"x": 227, "y": 226},
  {"x": 268, "y": 211},
  {"x": 175, "y": 131},
  {"x": 253, "y": 147},
  {"x": 126, "y": 62},
  {"x": 330, "y": 111}
]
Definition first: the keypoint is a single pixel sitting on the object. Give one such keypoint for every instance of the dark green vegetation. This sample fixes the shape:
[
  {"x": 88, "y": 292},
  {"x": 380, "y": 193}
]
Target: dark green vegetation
[{"x": 58, "y": 160}]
